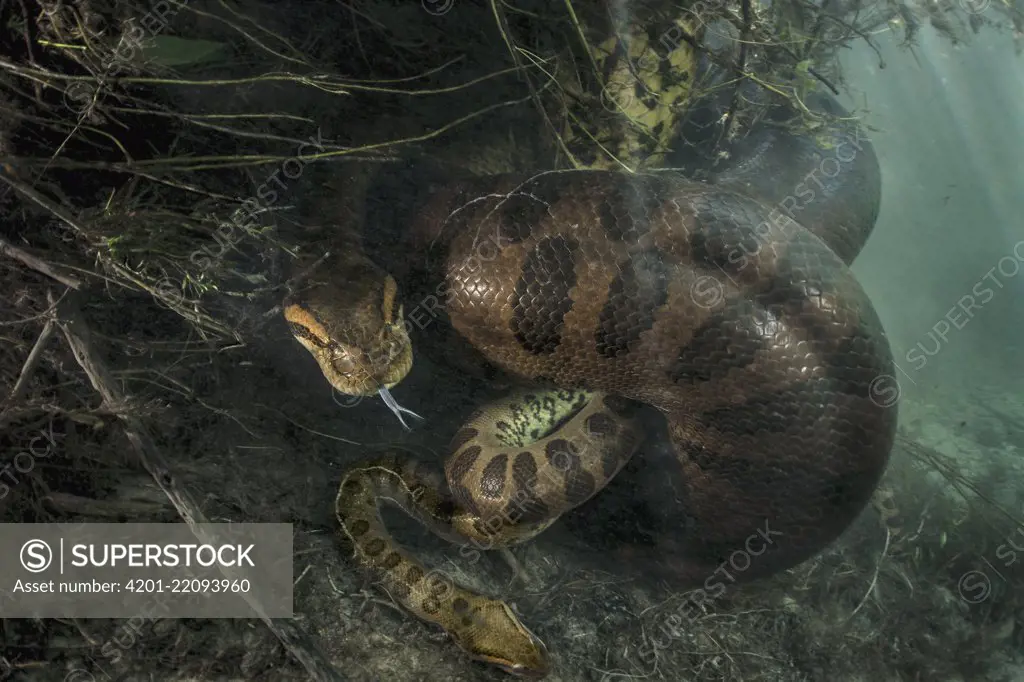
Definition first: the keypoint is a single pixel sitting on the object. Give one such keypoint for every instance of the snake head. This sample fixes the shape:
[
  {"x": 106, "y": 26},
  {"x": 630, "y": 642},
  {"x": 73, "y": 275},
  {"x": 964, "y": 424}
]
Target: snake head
[
  {"x": 354, "y": 329},
  {"x": 497, "y": 637}
]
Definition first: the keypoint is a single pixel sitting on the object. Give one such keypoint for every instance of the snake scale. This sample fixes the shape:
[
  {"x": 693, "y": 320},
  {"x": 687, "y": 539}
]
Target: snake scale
[{"x": 703, "y": 300}]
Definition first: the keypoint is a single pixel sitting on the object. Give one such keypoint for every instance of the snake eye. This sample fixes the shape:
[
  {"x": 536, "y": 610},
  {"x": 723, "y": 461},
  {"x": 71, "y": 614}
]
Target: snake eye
[{"x": 342, "y": 360}]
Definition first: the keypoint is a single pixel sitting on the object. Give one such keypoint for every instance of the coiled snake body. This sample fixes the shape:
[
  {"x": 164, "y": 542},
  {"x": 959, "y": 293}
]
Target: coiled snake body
[{"x": 744, "y": 327}]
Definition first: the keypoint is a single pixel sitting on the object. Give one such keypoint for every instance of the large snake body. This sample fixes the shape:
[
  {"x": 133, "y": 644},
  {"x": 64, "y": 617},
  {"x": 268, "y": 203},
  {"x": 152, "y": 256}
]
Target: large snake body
[{"x": 743, "y": 326}]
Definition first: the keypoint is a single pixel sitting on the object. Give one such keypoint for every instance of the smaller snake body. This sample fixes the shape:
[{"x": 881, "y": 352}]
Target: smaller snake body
[{"x": 483, "y": 626}]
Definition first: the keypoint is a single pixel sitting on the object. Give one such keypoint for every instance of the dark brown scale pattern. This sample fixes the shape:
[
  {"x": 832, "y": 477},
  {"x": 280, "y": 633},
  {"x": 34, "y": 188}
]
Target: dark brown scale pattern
[
  {"x": 465, "y": 460},
  {"x": 791, "y": 409},
  {"x": 391, "y": 560},
  {"x": 542, "y": 295},
  {"x": 526, "y": 206},
  {"x": 518, "y": 213},
  {"x": 527, "y": 507},
  {"x": 850, "y": 360},
  {"x": 724, "y": 238},
  {"x": 632, "y": 301},
  {"x": 461, "y": 437},
  {"x": 492, "y": 482},
  {"x": 625, "y": 215},
  {"x": 730, "y": 339},
  {"x": 561, "y": 454},
  {"x": 610, "y": 461},
  {"x": 413, "y": 575},
  {"x": 524, "y": 470},
  {"x": 462, "y": 465},
  {"x": 765, "y": 393},
  {"x": 374, "y": 547},
  {"x": 600, "y": 425},
  {"x": 620, "y": 406},
  {"x": 579, "y": 485}
]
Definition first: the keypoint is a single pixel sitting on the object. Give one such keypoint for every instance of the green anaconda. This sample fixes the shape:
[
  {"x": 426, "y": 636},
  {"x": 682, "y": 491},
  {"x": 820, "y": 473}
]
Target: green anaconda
[{"x": 726, "y": 304}]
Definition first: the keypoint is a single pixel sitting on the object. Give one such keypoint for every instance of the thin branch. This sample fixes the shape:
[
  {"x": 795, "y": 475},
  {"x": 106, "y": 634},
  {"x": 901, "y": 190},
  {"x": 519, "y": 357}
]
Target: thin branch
[
  {"x": 514, "y": 51},
  {"x": 874, "y": 577},
  {"x": 37, "y": 264},
  {"x": 741, "y": 66},
  {"x": 21, "y": 385},
  {"x": 43, "y": 202}
]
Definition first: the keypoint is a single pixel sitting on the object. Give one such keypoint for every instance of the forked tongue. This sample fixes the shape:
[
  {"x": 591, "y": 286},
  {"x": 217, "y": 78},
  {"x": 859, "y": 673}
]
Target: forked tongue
[{"x": 393, "y": 405}]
